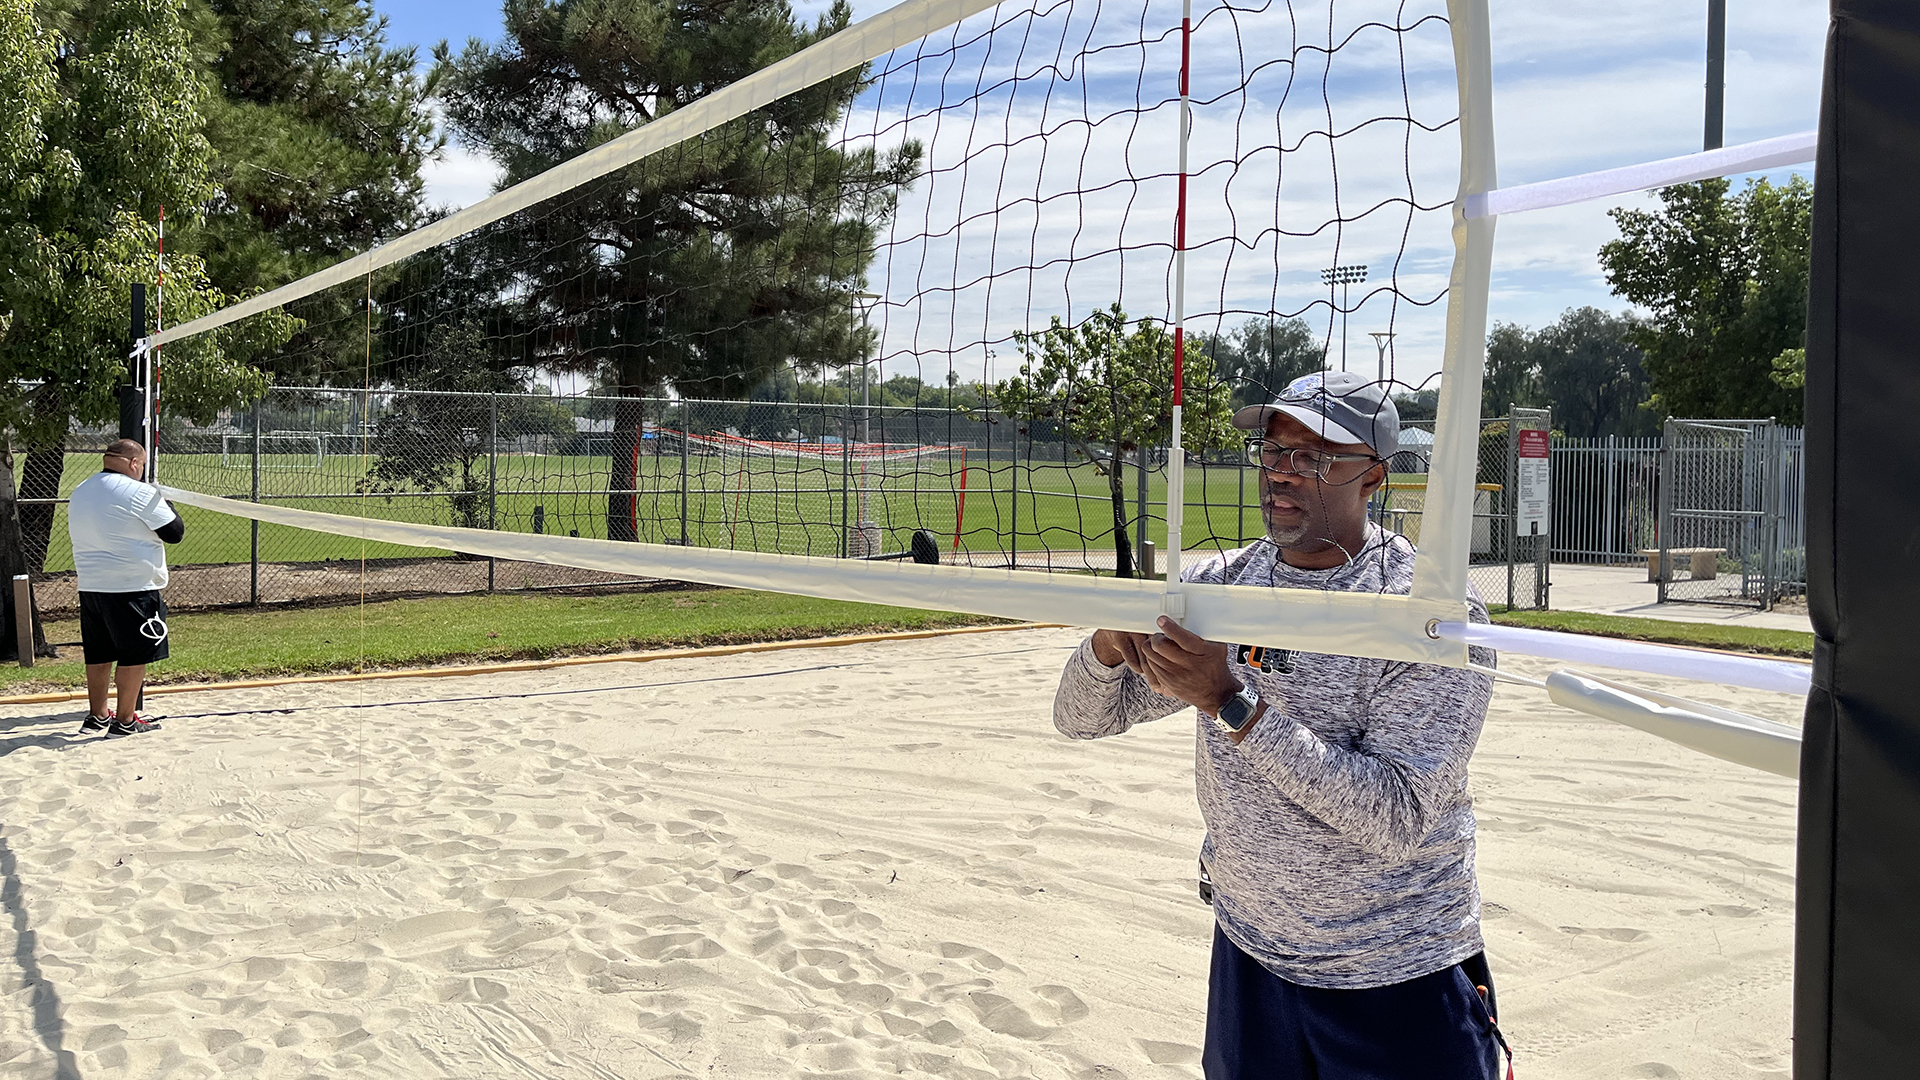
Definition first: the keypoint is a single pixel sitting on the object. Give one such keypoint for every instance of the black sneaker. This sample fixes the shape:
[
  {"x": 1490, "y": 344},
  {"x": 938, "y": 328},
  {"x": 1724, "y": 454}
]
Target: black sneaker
[
  {"x": 122, "y": 728},
  {"x": 94, "y": 725}
]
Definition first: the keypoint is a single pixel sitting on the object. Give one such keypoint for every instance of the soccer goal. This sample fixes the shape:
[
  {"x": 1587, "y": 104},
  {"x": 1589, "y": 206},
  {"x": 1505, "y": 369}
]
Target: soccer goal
[
  {"x": 881, "y": 492},
  {"x": 277, "y": 450}
]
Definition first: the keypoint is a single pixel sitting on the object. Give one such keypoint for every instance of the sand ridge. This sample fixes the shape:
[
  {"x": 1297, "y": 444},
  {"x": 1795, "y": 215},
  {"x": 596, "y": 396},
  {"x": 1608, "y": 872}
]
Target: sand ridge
[{"x": 874, "y": 860}]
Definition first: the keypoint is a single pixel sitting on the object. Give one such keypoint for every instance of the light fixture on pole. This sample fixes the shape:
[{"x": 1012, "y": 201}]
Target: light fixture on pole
[
  {"x": 1343, "y": 276},
  {"x": 1382, "y": 340}
]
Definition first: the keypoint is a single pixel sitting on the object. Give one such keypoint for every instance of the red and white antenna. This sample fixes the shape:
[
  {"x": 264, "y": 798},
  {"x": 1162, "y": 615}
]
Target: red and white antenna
[{"x": 1175, "y": 604}]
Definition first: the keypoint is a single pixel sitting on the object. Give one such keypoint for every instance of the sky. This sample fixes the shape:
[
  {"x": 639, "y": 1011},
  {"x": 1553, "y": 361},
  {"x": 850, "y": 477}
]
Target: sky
[{"x": 1579, "y": 85}]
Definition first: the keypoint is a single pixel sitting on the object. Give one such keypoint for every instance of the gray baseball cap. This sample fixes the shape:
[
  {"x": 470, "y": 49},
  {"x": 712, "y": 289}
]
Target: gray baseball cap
[{"x": 1339, "y": 406}]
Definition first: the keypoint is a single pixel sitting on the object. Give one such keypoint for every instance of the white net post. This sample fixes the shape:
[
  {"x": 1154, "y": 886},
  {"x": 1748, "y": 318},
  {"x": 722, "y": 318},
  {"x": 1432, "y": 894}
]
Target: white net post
[{"x": 1440, "y": 572}]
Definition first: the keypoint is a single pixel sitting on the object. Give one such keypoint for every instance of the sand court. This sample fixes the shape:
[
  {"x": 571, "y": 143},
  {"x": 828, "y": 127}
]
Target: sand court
[{"x": 873, "y": 860}]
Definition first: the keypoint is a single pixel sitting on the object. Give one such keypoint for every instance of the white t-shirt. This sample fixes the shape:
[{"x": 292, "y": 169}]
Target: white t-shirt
[{"x": 110, "y": 520}]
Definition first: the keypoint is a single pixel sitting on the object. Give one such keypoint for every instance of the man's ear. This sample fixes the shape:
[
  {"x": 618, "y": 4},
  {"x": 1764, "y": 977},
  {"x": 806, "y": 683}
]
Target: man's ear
[{"x": 1375, "y": 477}]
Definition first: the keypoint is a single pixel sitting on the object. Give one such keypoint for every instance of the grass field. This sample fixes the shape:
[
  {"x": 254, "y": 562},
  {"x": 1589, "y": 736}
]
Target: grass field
[
  {"x": 1750, "y": 639},
  {"x": 465, "y": 629},
  {"x": 793, "y": 507}
]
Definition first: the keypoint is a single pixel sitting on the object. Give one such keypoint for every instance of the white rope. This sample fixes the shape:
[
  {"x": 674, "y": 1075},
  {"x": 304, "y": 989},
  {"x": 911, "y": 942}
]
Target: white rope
[
  {"x": 1776, "y": 675},
  {"x": 1727, "y": 161},
  {"x": 1508, "y": 676}
]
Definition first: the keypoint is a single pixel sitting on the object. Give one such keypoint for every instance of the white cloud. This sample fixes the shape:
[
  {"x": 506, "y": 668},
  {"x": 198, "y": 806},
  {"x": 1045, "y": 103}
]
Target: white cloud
[{"x": 458, "y": 177}]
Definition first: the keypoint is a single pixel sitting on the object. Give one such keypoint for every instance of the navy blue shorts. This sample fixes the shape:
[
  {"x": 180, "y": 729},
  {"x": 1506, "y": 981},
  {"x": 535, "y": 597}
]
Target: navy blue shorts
[{"x": 1262, "y": 1027}]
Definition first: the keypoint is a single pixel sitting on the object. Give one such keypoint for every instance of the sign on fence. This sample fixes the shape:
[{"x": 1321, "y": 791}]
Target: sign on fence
[{"x": 1535, "y": 482}]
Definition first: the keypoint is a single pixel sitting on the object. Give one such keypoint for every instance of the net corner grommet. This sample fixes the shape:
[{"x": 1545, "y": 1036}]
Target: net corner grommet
[{"x": 1433, "y": 629}]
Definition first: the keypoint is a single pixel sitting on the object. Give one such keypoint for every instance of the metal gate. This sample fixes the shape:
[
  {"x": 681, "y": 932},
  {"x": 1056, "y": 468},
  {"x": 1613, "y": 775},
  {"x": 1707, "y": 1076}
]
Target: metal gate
[{"x": 1722, "y": 535}]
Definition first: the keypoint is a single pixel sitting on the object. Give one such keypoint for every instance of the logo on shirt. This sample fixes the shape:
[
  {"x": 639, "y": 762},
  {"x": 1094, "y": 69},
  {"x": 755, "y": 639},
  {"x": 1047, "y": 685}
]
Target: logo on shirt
[{"x": 1262, "y": 659}]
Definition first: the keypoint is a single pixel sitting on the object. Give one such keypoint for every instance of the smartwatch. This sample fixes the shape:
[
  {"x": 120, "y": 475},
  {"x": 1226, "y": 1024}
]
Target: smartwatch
[{"x": 1239, "y": 710}]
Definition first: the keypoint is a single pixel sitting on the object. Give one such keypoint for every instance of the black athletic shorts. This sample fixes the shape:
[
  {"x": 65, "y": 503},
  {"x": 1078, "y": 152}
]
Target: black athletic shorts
[{"x": 123, "y": 627}]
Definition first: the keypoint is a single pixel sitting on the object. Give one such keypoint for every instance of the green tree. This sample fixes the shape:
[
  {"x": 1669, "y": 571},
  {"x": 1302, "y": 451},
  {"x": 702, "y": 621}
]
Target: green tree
[
  {"x": 1592, "y": 376},
  {"x": 705, "y": 267},
  {"x": 1725, "y": 280},
  {"x": 1263, "y": 355},
  {"x": 318, "y": 130},
  {"x": 104, "y": 130},
  {"x": 1513, "y": 371},
  {"x": 1101, "y": 382},
  {"x": 1419, "y": 405},
  {"x": 435, "y": 443}
]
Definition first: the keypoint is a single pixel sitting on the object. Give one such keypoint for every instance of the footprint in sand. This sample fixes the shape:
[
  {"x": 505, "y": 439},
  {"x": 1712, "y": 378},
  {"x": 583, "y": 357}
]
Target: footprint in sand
[
  {"x": 979, "y": 959},
  {"x": 664, "y": 947},
  {"x": 361, "y": 858},
  {"x": 1611, "y": 933},
  {"x": 537, "y": 887},
  {"x": 421, "y": 927},
  {"x": 1168, "y": 1053},
  {"x": 1001, "y": 1016},
  {"x": 1066, "y": 1006},
  {"x": 473, "y": 990}
]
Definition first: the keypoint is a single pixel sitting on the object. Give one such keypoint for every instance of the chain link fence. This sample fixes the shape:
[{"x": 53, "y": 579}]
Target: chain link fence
[
  {"x": 1732, "y": 521},
  {"x": 847, "y": 480}
]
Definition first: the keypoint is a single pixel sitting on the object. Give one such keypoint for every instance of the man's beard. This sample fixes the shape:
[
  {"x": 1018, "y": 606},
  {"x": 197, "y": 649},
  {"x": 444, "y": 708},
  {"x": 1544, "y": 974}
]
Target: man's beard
[
  {"x": 1286, "y": 536},
  {"x": 1289, "y": 536}
]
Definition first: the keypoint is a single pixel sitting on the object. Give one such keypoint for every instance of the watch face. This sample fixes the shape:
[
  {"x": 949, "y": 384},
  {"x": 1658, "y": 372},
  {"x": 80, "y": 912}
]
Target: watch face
[{"x": 1235, "y": 712}]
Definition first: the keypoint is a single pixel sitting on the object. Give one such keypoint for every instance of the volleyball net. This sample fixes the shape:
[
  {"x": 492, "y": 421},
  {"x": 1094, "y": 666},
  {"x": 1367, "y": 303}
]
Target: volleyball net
[{"x": 994, "y": 274}]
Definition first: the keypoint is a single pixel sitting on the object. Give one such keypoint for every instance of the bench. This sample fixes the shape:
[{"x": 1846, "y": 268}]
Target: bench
[{"x": 1706, "y": 561}]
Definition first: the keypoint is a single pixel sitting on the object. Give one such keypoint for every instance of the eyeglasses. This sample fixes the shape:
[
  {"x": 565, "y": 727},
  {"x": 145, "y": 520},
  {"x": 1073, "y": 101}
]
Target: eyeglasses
[{"x": 1273, "y": 457}]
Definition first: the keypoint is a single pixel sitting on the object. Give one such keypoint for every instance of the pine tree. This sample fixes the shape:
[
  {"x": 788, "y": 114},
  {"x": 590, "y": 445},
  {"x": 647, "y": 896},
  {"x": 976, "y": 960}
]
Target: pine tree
[
  {"x": 104, "y": 130},
  {"x": 705, "y": 267}
]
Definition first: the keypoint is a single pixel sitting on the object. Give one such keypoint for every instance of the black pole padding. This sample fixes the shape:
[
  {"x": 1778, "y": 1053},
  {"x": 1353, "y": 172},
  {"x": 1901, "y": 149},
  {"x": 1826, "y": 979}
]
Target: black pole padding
[
  {"x": 1715, "y": 134},
  {"x": 926, "y": 547},
  {"x": 1856, "y": 940},
  {"x": 131, "y": 403},
  {"x": 139, "y": 330}
]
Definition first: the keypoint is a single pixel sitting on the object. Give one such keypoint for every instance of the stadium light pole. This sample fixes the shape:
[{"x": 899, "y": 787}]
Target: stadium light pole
[
  {"x": 1716, "y": 74},
  {"x": 1381, "y": 340},
  {"x": 1345, "y": 277},
  {"x": 866, "y": 401}
]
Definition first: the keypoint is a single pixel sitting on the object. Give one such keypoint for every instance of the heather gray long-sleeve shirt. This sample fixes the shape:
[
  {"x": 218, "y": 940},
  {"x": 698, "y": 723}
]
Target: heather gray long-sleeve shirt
[{"x": 1339, "y": 831}]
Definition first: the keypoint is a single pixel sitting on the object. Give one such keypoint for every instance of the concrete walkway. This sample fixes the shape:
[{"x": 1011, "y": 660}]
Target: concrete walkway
[{"x": 1625, "y": 590}]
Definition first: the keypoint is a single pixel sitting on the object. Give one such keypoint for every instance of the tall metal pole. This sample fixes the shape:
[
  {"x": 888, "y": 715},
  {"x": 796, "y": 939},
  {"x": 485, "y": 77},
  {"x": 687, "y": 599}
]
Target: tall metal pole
[
  {"x": 253, "y": 583},
  {"x": 1613, "y": 483},
  {"x": 1716, "y": 74},
  {"x": 493, "y": 469},
  {"x": 1382, "y": 340},
  {"x": 685, "y": 430},
  {"x": 1346, "y": 309}
]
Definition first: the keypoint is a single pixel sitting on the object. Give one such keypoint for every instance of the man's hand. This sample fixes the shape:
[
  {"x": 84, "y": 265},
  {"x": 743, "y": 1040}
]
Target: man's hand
[
  {"x": 1116, "y": 647},
  {"x": 1182, "y": 664}
]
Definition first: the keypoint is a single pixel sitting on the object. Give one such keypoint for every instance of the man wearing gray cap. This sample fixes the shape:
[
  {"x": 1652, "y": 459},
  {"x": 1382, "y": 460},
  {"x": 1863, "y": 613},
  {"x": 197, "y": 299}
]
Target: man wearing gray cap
[{"x": 1340, "y": 834}]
